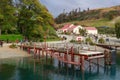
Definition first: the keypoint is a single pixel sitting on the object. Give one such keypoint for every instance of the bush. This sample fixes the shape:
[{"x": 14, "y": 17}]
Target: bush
[
  {"x": 101, "y": 40},
  {"x": 72, "y": 40},
  {"x": 89, "y": 40},
  {"x": 13, "y": 45}
]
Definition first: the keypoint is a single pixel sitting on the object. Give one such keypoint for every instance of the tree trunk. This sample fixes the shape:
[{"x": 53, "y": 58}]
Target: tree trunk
[{"x": 0, "y": 31}]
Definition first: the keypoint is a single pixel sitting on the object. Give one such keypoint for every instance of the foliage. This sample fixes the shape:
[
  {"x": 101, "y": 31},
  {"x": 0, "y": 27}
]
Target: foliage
[
  {"x": 89, "y": 41},
  {"x": 13, "y": 45},
  {"x": 27, "y": 17},
  {"x": 101, "y": 40},
  {"x": 72, "y": 40},
  {"x": 106, "y": 30},
  {"x": 111, "y": 14},
  {"x": 117, "y": 29},
  {"x": 82, "y": 32},
  {"x": 78, "y": 15},
  {"x": 32, "y": 19},
  {"x": 7, "y": 15}
]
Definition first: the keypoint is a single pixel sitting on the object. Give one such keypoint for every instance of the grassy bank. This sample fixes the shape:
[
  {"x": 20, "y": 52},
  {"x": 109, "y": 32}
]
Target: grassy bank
[
  {"x": 14, "y": 37},
  {"x": 11, "y": 37}
]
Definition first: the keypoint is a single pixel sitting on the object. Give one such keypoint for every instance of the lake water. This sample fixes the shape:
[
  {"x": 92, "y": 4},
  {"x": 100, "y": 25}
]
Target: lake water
[{"x": 30, "y": 69}]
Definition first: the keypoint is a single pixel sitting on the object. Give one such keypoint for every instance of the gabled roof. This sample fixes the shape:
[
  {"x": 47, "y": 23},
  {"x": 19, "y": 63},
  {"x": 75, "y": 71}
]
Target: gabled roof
[
  {"x": 65, "y": 26},
  {"x": 90, "y": 28},
  {"x": 72, "y": 27}
]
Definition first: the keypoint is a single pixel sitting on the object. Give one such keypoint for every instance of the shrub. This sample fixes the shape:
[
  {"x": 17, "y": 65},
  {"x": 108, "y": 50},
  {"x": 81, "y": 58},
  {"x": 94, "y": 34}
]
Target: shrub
[
  {"x": 101, "y": 40},
  {"x": 72, "y": 40},
  {"x": 13, "y": 45},
  {"x": 89, "y": 40}
]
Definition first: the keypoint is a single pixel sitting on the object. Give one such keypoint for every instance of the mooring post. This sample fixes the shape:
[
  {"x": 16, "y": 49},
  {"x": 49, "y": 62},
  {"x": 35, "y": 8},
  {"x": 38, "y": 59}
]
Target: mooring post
[
  {"x": 39, "y": 53},
  {"x": 35, "y": 51},
  {"x": 82, "y": 62},
  {"x": 28, "y": 50},
  {"x": 42, "y": 52},
  {"x": 98, "y": 65},
  {"x": 65, "y": 57},
  {"x": 72, "y": 54},
  {"x": 46, "y": 54},
  {"x": 59, "y": 64},
  {"x": 52, "y": 52},
  {"x": 89, "y": 65},
  {"x": 106, "y": 57}
]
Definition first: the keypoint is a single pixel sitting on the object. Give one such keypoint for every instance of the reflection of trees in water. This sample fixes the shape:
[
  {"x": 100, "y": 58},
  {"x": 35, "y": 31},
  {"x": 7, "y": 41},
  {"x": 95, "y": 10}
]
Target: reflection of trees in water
[
  {"x": 44, "y": 69},
  {"x": 6, "y": 71},
  {"x": 118, "y": 58}
]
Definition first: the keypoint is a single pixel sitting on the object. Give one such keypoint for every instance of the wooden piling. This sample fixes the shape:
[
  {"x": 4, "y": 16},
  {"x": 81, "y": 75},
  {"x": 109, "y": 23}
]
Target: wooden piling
[
  {"x": 97, "y": 65},
  {"x": 82, "y": 63},
  {"x": 90, "y": 65}
]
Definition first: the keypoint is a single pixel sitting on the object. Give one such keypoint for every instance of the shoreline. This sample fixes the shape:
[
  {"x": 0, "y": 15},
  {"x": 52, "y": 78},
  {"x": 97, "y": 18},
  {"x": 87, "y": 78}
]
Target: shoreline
[{"x": 6, "y": 52}]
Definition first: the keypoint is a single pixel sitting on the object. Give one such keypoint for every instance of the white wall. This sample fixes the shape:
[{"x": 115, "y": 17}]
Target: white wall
[
  {"x": 92, "y": 31},
  {"x": 76, "y": 30}
]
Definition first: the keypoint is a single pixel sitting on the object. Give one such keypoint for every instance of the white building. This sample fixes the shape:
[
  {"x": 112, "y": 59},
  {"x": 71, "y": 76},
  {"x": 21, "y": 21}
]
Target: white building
[
  {"x": 65, "y": 28},
  {"x": 70, "y": 28},
  {"x": 76, "y": 29},
  {"x": 91, "y": 30}
]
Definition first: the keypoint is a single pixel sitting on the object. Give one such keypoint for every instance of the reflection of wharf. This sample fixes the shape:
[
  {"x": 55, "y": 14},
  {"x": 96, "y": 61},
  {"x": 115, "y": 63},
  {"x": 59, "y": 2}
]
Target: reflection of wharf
[{"x": 69, "y": 55}]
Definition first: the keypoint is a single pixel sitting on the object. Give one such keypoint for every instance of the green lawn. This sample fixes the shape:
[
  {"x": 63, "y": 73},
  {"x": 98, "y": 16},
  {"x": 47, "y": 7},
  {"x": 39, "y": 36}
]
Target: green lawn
[
  {"x": 11, "y": 37},
  {"x": 57, "y": 39}
]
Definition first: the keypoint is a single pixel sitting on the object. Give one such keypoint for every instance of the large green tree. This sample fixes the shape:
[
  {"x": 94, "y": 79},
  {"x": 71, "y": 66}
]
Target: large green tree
[
  {"x": 33, "y": 18},
  {"x": 1, "y": 22},
  {"x": 82, "y": 32},
  {"x": 7, "y": 15},
  {"x": 29, "y": 17},
  {"x": 117, "y": 29}
]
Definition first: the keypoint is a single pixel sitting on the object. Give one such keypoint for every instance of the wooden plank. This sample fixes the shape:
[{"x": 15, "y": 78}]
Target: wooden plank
[{"x": 97, "y": 56}]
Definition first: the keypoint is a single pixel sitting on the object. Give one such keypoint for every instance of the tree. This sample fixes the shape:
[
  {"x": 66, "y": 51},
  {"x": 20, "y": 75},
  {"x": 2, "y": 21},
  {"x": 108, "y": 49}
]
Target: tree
[
  {"x": 33, "y": 18},
  {"x": 29, "y": 17},
  {"x": 82, "y": 32},
  {"x": 25, "y": 21},
  {"x": 117, "y": 29},
  {"x": 7, "y": 15},
  {"x": 1, "y": 22}
]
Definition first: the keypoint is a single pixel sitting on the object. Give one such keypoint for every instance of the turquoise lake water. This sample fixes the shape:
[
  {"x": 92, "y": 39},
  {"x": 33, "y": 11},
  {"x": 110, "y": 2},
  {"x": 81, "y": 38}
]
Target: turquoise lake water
[{"x": 30, "y": 69}]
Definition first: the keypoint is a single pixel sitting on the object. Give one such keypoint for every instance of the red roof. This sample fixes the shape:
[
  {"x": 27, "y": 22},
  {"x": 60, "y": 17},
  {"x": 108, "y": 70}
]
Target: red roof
[
  {"x": 66, "y": 26},
  {"x": 90, "y": 28},
  {"x": 72, "y": 27}
]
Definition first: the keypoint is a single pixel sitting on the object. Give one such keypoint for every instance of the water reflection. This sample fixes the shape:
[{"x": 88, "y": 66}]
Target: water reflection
[
  {"x": 113, "y": 71},
  {"x": 51, "y": 69}
]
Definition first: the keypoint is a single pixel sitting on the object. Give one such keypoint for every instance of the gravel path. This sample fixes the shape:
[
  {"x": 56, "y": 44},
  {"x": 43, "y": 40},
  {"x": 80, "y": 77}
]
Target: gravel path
[{"x": 6, "y": 52}]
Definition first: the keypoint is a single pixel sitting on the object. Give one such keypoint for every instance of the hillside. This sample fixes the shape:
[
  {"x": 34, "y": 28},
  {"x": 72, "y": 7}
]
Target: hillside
[{"x": 95, "y": 17}]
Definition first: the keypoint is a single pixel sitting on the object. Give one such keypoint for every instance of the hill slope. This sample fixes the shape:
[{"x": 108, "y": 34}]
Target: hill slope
[{"x": 95, "y": 17}]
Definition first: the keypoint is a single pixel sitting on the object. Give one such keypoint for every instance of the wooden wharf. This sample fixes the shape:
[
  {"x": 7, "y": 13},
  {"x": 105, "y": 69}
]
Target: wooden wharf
[
  {"x": 108, "y": 46},
  {"x": 67, "y": 54}
]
